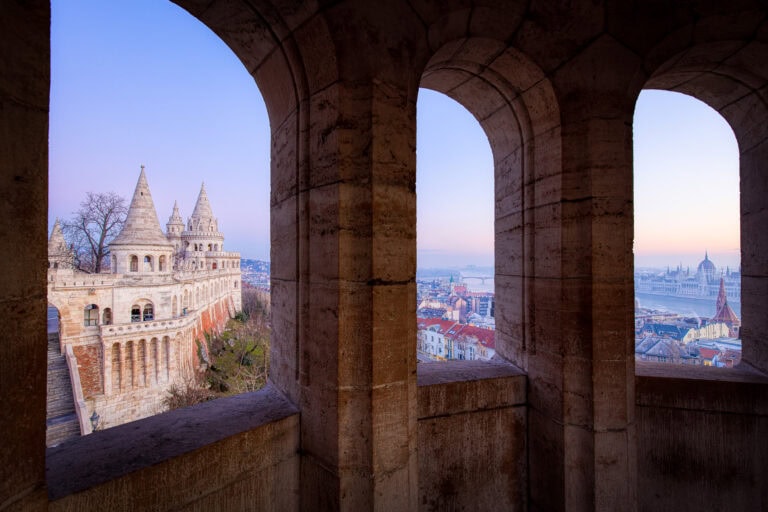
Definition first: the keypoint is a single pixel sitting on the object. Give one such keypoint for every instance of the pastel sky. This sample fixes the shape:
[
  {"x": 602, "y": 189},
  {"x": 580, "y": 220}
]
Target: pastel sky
[{"x": 143, "y": 82}]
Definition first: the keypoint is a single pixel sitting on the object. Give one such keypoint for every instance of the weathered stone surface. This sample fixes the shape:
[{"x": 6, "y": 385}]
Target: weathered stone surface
[{"x": 554, "y": 87}]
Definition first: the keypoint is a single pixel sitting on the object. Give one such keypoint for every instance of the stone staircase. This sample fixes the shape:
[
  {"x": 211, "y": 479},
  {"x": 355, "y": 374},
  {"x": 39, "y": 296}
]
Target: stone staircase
[{"x": 61, "y": 419}]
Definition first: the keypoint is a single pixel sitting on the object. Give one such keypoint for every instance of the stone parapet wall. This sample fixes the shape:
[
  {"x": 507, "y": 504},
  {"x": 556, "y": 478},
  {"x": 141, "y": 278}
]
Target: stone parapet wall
[
  {"x": 236, "y": 453},
  {"x": 472, "y": 436},
  {"x": 701, "y": 438}
]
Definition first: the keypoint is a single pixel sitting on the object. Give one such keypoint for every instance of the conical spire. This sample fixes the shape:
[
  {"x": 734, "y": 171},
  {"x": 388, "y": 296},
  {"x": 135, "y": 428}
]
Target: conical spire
[
  {"x": 57, "y": 243},
  {"x": 175, "y": 217},
  {"x": 721, "y": 297},
  {"x": 202, "y": 218},
  {"x": 141, "y": 225}
]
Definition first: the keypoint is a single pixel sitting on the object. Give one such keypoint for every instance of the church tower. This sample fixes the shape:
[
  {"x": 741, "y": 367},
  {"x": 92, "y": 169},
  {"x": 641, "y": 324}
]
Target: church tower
[
  {"x": 202, "y": 236},
  {"x": 141, "y": 247}
]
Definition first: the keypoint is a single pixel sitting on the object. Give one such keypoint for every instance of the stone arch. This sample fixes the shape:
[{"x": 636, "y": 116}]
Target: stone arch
[
  {"x": 91, "y": 315},
  {"x": 117, "y": 372},
  {"x": 141, "y": 363},
  {"x": 129, "y": 368},
  {"x": 54, "y": 319},
  {"x": 133, "y": 263},
  {"x": 730, "y": 77},
  {"x": 516, "y": 106},
  {"x": 154, "y": 351}
]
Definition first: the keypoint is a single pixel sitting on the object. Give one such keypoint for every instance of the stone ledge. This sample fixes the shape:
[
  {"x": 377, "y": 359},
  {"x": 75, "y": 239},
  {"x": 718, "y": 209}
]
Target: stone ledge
[
  {"x": 89, "y": 461},
  {"x": 739, "y": 390},
  {"x": 454, "y": 387}
]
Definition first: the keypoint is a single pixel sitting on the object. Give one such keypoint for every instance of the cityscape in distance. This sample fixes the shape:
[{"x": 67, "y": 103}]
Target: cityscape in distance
[{"x": 683, "y": 315}]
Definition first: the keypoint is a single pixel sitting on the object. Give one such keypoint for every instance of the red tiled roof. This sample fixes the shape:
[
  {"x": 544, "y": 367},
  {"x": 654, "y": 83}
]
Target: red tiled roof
[
  {"x": 708, "y": 353},
  {"x": 443, "y": 326},
  {"x": 486, "y": 337},
  {"x": 727, "y": 316}
]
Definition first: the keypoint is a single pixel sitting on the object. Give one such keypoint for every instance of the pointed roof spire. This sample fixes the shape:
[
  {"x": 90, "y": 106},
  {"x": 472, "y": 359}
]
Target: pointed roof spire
[
  {"x": 203, "y": 206},
  {"x": 141, "y": 225},
  {"x": 57, "y": 244},
  {"x": 175, "y": 217},
  {"x": 721, "y": 297},
  {"x": 57, "y": 236},
  {"x": 202, "y": 218}
]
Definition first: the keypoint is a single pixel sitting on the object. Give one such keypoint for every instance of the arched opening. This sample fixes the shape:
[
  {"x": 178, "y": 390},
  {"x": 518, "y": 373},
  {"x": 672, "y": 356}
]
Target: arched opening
[
  {"x": 687, "y": 233},
  {"x": 148, "y": 266},
  {"x": 91, "y": 315},
  {"x": 53, "y": 320},
  {"x": 155, "y": 357},
  {"x": 161, "y": 264},
  {"x": 107, "y": 316},
  {"x": 134, "y": 265},
  {"x": 141, "y": 363},
  {"x": 455, "y": 231},
  {"x": 116, "y": 368},
  {"x": 148, "y": 313},
  {"x": 135, "y": 313},
  {"x": 518, "y": 112},
  {"x": 129, "y": 369}
]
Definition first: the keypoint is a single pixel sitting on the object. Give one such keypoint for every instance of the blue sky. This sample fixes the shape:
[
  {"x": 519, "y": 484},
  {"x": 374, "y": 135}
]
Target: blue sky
[{"x": 143, "y": 82}]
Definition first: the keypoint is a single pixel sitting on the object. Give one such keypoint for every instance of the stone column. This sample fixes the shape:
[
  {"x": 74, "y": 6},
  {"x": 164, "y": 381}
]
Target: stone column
[
  {"x": 354, "y": 366},
  {"x": 581, "y": 374},
  {"x": 24, "y": 94}
]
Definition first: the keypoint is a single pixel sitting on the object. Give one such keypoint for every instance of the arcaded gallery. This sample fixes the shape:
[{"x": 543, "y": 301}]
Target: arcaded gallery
[{"x": 562, "y": 418}]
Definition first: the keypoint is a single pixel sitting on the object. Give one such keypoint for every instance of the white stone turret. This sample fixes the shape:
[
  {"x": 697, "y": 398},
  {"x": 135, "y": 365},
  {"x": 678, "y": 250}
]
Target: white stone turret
[
  {"x": 202, "y": 235},
  {"x": 174, "y": 228},
  {"x": 141, "y": 247},
  {"x": 59, "y": 255}
]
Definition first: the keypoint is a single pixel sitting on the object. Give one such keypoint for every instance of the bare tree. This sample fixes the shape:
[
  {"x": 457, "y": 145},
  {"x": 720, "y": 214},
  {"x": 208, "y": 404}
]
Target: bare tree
[{"x": 99, "y": 220}]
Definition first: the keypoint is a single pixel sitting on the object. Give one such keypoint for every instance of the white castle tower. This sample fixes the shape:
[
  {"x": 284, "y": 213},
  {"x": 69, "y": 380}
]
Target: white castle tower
[
  {"x": 202, "y": 238},
  {"x": 141, "y": 247},
  {"x": 141, "y": 328}
]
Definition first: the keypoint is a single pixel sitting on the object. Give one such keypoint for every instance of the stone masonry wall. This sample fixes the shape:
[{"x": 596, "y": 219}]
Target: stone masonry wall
[{"x": 89, "y": 358}]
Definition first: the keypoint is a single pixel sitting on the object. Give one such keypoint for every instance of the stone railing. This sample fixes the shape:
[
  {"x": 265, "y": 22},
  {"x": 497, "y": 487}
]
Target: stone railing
[
  {"x": 114, "y": 330},
  {"x": 77, "y": 391}
]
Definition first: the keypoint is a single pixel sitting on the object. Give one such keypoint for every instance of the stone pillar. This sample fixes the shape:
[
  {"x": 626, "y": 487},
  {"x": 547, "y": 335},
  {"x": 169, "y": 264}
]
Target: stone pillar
[
  {"x": 581, "y": 370},
  {"x": 354, "y": 366},
  {"x": 24, "y": 93}
]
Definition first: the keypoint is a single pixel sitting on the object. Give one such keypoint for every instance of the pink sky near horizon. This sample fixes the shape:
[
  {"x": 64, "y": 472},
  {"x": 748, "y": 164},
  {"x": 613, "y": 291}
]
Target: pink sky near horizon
[{"x": 127, "y": 90}]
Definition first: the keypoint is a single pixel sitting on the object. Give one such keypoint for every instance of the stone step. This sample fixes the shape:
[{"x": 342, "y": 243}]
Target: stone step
[
  {"x": 61, "y": 428},
  {"x": 61, "y": 421}
]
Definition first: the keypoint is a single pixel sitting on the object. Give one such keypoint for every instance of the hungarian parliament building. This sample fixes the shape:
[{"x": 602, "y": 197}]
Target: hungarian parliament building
[{"x": 703, "y": 284}]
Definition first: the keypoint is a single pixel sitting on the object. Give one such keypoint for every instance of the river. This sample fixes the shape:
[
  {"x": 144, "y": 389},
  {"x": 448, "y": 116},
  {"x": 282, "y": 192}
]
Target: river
[{"x": 683, "y": 305}]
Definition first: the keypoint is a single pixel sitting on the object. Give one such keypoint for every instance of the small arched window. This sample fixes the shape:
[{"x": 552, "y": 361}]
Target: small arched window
[
  {"x": 134, "y": 264},
  {"x": 91, "y": 315},
  {"x": 107, "y": 316},
  {"x": 148, "y": 264},
  {"x": 210, "y": 247},
  {"x": 214, "y": 265},
  {"x": 135, "y": 313},
  {"x": 235, "y": 284},
  {"x": 148, "y": 313}
]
